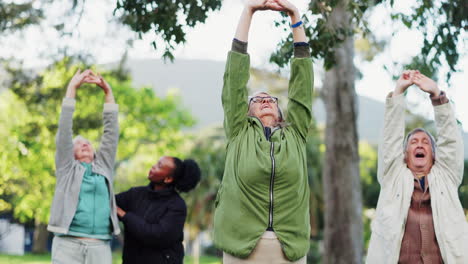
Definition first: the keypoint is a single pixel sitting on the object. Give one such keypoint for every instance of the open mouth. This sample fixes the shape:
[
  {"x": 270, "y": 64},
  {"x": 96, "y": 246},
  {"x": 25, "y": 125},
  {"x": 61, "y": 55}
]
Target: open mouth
[{"x": 419, "y": 155}]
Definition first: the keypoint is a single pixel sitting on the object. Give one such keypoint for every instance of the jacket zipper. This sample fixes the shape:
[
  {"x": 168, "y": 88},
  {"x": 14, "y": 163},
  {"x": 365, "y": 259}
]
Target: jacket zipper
[
  {"x": 272, "y": 175},
  {"x": 94, "y": 205},
  {"x": 272, "y": 181}
]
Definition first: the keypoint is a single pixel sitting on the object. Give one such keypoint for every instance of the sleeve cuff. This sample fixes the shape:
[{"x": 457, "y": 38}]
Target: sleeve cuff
[
  {"x": 111, "y": 107},
  {"x": 70, "y": 102},
  {"x": 239, "y": 46},
  {"x": 440, "y": 99},
  {"x": 395, "y": 99},
  {"x": 301, "y": 50}
]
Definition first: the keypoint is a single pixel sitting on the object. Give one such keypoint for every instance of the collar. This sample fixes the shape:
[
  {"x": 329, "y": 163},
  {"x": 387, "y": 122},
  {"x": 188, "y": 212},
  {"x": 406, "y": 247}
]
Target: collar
[{"x": 159, "y": 193}]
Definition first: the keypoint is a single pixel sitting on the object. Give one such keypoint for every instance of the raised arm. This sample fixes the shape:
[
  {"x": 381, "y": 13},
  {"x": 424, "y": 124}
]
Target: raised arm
[
  {"x": 64, "y": 143},
  {"x": 449, "y": 149},
  {"x": 299, "y": 113},
  {"x": 110, "y": 138},
  {"x": 236, "y": 75},
  {"x": 295, "y": 16},
  {"x": 391, "y": 145}
]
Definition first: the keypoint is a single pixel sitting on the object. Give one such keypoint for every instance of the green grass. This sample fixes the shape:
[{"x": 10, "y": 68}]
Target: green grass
[{"x": 45, "y": 259}]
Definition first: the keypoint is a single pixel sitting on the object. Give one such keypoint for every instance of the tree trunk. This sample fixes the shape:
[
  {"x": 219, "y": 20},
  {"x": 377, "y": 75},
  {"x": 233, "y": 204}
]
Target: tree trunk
[
  {"x": 343, "y": 240},
  {"x": 40, "y": 238}
]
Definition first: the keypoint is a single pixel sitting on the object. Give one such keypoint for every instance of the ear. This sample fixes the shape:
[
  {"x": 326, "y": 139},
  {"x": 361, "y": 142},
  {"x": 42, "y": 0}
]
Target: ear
[{"x": 168, "y": 180}]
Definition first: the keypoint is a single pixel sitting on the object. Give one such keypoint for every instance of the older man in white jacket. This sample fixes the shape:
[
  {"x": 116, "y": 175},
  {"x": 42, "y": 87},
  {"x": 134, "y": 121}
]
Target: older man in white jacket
[{"x": 419, "y": 217}]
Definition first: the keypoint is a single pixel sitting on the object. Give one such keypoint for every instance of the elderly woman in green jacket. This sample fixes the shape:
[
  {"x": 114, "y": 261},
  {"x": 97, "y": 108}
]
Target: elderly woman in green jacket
[{"x": 262, "y": 206}]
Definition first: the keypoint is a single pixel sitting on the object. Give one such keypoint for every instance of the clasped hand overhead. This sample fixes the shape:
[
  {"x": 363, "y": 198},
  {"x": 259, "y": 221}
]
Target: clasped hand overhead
[{"x": 410, "y": 77}]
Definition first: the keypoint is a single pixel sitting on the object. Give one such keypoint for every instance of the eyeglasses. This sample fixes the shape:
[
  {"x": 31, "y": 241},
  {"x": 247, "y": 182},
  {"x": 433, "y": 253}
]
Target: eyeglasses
[{"x": 260, "y": 99}]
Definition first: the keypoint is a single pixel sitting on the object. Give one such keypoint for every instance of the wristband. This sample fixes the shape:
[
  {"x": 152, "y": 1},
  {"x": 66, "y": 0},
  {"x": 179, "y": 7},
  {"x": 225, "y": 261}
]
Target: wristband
[{"x": 297, "y": 24}]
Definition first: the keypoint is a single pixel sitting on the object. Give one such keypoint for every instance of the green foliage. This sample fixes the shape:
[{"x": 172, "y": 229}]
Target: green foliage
[
  {"x": 464, "y": 188},
  {"x": 315, "y": 255},
  {"x": 323, "y": 37},
  {"x": 314, "y": 152},
  {"x": 166, "y": 18},
  {"x": 367, "y": 46},
  {"x": 368, "y": 170},
  {"x": 441, "y": 23},
  {"x": 208, "y": 148},
  {"x": 149, "y": 127},
  {"x": 15, "y": 16}
]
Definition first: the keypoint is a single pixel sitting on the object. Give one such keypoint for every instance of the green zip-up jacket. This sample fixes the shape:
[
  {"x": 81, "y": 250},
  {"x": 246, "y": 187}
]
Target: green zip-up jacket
[{"x": 265, "y": 181}]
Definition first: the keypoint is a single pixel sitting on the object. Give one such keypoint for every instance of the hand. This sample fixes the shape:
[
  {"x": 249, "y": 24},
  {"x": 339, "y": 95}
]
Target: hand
[
  {"x": 77, "y": 80},
  {"x": 99, "y": 81},
  {"x": 284, "y": 6},
  {"x": 121, "y": 213},
  {"x": 426, "y": 84},
  {"x": 405, "y": 81},
  {"x": 255, "y": 5}
]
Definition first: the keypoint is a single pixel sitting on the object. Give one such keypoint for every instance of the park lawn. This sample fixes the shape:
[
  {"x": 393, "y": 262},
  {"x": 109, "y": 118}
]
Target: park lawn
[{"x": 45, "y": 259}]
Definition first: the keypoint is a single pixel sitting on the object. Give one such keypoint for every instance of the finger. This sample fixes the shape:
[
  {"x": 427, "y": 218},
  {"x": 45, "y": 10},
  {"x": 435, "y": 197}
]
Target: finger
[
  {"x": 91, "y": 79},
  {"x": 272, "y": 5},
  {"x": 417, "y": 80},
  {"x": 85, "y": 73},
  {"x": 423, "y": 76},
  {"x": 93, "y": 74},
  {"x": 406, "y": 75}
]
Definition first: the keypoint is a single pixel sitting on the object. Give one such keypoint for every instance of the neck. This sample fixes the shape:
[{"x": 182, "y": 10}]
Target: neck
[
  {"x": 159, "y": 186},
  {"x": 268, "y": 121},
  {"x": 420, "y": 172},
  {"x": 86, "y": 160}
]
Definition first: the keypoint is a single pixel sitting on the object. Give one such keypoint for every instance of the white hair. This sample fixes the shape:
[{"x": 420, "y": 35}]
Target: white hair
[
  {"x": 280, "y": 112},
  {"x": 416, "y": 130},
  {"x": 79, "y": 137}
]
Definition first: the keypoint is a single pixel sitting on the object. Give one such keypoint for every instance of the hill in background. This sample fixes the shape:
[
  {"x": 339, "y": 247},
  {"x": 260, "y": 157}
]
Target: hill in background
[{"x": 200, "y": 83}]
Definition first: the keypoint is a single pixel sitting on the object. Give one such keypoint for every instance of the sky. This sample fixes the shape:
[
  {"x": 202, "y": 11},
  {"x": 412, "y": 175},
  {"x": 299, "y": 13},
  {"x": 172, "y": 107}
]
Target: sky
[{"x": 212, "y": 40}]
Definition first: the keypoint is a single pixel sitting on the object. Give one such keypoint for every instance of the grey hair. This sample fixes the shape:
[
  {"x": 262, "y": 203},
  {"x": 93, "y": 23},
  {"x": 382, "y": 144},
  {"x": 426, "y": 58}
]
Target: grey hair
[
  {"x": 281, "y": 121},
  {"x": 79, "y": 137},
  {"x": 416, "y": 130}
]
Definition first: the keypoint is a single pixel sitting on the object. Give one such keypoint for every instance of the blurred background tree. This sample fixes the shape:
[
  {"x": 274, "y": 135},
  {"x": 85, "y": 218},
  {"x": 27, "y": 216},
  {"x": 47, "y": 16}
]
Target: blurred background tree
[{"x": 150, "y": 126}]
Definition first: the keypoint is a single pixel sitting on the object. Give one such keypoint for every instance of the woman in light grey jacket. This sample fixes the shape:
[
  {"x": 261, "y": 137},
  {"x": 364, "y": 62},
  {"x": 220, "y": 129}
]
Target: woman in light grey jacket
[
  {"x": 419, "y": 217},
  {"x": 83, "y": 213}
]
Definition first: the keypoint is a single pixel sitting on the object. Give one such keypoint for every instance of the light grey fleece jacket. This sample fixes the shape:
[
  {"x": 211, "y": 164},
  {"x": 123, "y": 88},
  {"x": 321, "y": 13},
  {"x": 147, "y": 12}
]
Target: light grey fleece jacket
[{"x": 69, "y": 172}]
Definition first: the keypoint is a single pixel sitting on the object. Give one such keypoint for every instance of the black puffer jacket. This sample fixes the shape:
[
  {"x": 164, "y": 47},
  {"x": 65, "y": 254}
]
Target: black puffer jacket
[{"x": 154, "y": 223}]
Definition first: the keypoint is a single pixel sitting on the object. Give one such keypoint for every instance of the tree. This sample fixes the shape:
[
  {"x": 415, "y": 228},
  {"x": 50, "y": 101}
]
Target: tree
[
  {"x": 441, "y": 23},
  {"x": 208, "y": 149},
  {"x": 150, "y": 126},
  {"x": 15, "y": 16},
  {"x": 168, "y": 19}
]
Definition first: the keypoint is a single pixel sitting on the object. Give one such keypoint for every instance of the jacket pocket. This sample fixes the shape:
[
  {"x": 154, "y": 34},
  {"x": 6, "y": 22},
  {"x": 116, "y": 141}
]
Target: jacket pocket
[
  {"x": 379, "y": 246},
  {"x": 384, "y": 231},
  {"x": 456, "y": 237}
]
